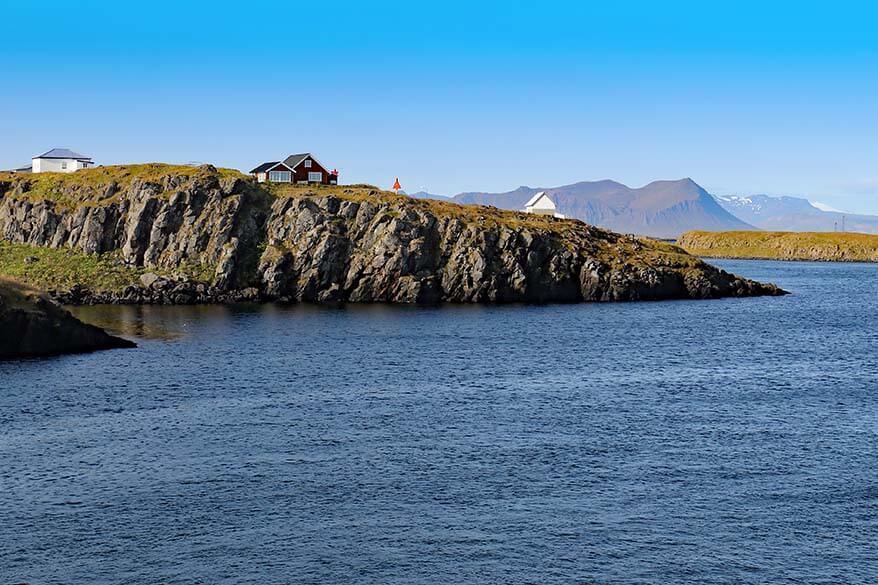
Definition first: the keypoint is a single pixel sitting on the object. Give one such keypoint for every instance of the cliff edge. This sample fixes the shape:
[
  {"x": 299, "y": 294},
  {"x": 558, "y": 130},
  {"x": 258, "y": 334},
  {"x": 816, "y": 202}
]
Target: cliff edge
[{"x": 162, "y": 234}]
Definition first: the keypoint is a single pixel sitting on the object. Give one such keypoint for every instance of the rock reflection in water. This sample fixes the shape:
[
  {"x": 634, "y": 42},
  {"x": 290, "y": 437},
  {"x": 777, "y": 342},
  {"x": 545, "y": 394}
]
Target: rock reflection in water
[{"x": 150, "y": 321}]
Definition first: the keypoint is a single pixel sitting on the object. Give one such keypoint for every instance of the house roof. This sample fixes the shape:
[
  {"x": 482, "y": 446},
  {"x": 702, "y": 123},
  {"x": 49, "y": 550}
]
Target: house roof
[
  {"x": 63, "y": 153},
  {"x": 265, "y": 166},
  {"x": 293, "y": 160},
  {"x": 270, "y": 166},
  {"x": 533, "y": 200}
]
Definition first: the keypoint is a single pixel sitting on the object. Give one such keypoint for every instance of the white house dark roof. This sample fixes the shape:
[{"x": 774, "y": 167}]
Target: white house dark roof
[
  {"x": 533, "y": 200},
  {"x": 63, "y": 153}
]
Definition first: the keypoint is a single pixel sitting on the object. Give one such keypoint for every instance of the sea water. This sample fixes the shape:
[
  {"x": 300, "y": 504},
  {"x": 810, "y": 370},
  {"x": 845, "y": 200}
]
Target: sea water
[{"x": 730, "y": 441}]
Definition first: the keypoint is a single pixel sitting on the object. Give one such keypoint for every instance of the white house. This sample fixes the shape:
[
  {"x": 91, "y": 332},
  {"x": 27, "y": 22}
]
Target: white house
[
  {"x": 540, "y": 204},
  {"x": 60, "y": 160}
]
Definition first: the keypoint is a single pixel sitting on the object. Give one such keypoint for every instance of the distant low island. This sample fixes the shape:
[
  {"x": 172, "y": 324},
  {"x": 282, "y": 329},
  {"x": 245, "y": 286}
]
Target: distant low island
[
  {"x": 801, "y": 246},
  {"x": 156, "y": 233}
]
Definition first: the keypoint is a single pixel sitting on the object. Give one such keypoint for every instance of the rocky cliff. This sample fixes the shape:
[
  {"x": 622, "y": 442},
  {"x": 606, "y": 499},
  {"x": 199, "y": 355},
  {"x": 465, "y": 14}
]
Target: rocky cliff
[
  {"x": 183, "y": 234},
  {"x": 32, "y": 325}
]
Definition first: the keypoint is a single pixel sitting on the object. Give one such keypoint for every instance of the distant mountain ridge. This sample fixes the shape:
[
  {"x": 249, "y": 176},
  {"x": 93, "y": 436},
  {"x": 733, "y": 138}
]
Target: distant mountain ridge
[
  {"x": 794, "y": 214},
  {"x": 668, "y": 208},
  {"x": 662, "y": 209},
  {"x": 426, "y": 195}
]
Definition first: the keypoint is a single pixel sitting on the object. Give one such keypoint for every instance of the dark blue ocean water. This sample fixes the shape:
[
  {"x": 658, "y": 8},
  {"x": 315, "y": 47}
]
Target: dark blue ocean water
[{"x": 730, "y": 441}]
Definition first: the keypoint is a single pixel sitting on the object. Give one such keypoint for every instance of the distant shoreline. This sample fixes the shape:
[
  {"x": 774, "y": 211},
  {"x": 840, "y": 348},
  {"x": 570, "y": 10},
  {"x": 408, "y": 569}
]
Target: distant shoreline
[
  {"x": 802, "y": 260},
  {"x": 785, "y": 246}
]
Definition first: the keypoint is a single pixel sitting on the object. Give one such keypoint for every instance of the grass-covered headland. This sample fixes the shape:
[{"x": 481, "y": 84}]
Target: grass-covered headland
[
  {"x": 155, "y": 233},
  {"x": 803, "y": 246}
]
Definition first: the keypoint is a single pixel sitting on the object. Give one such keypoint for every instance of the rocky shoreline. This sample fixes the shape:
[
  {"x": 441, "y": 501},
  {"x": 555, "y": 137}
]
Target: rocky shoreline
[
  {"x": 33, "y": 325},
  {"x": 159, "y": 291},
  {"x": 186, "y": 236}
]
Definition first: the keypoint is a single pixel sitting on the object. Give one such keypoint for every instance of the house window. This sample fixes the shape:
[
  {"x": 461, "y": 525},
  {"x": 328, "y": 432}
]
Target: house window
[
  {"x": 280, "y": 176},
  {"x": 315, "y": 177},
  {"x": 308, "y": 164},
  {"x": 64, "y": 166}
]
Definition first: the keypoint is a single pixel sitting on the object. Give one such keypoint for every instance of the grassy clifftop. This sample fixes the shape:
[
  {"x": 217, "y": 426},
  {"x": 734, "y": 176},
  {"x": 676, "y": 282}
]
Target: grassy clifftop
[
  {"x": 814, "y": 246},
  {"x": 61, "y": 268},
  {"x": 101, "y": 185},
  {"x": 216, "y": 230},
  {"x": 484, "y": 216}
]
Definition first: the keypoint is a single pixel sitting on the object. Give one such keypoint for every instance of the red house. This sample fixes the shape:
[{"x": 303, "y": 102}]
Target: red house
[{"x": 296, "y": 168}]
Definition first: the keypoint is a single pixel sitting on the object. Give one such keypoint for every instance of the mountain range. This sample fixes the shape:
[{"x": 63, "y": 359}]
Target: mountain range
[
  {"x": 666, "y": 209},
  {"x": 794, "y": 214},
  {"x": 662, "y": 209}
]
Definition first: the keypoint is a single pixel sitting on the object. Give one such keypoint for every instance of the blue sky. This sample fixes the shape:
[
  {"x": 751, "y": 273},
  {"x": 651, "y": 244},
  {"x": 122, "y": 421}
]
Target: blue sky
[{"x": 744, "y": 97}]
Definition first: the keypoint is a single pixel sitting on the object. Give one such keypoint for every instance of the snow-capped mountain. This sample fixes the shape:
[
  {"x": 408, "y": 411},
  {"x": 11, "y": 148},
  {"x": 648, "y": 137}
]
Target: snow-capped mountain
[{"x": 794, "y": 214}]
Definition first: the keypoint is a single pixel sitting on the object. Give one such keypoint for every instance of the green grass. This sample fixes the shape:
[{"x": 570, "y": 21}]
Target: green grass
[
  {"x": 821, "y": 246},
  {"x": 62, "y": 268},
  {"x": 89, "y": 186}
]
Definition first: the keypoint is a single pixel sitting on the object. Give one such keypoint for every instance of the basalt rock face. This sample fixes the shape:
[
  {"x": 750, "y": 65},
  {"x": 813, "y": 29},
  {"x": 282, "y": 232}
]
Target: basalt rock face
[
  {"x": 177, "y": 223},
  {"x": 349, "y": 244},
  {"x": 321, "y": 249},
  {"x": 32, "y": 325}
]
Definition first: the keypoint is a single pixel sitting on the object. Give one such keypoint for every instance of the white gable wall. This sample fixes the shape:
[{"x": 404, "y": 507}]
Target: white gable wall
[
  {"x": 55, "y": 165},
  {"x": 540, "y": 204},
  {"x": 543, "y": 204}
]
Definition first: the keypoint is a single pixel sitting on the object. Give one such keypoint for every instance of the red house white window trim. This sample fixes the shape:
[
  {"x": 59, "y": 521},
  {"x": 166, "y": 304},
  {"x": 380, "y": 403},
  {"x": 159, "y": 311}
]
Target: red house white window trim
[{"x": 280, "y": 177}]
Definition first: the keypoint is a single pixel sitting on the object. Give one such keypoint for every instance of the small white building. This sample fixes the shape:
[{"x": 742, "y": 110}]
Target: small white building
[
  {"x": 60, "y": 160},
  {"x": 540, "y": 204}
]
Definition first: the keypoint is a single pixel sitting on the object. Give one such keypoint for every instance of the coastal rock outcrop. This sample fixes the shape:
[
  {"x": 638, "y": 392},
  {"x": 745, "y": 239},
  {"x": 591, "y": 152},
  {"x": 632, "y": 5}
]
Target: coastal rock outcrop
[
  {"x": 33, "y": 325},
  {"x": 203, "y": 235}
]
